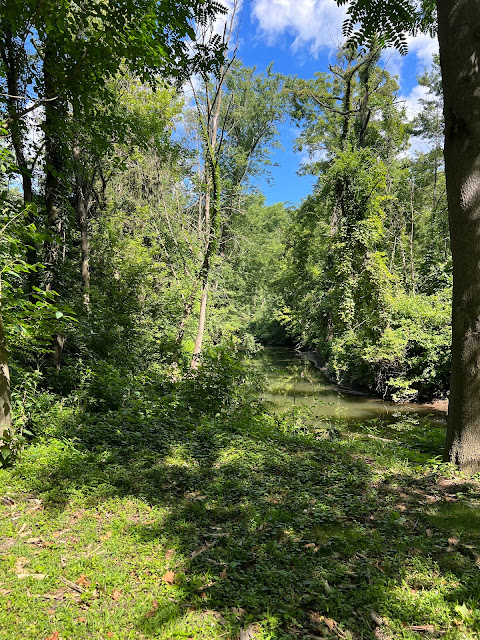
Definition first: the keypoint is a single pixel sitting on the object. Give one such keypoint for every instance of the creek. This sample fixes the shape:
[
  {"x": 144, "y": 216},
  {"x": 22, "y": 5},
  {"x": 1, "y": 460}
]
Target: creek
[{"x": 296, "y": 385}]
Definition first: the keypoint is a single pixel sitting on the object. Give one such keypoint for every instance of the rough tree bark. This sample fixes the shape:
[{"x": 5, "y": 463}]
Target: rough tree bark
[{"x": 459, "y": 39}]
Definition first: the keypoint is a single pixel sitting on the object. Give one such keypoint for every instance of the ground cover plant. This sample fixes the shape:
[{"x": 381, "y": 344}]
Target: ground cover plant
[{"x": 163, "y": 526}]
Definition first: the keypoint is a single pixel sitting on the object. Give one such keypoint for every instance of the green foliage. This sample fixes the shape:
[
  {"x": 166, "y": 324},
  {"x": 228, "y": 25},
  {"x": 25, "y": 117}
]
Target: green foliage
[
  {"x": 278, "y": 523},
  {"x": 368, "y": 275},
  {"x": 391, "y": 21}
]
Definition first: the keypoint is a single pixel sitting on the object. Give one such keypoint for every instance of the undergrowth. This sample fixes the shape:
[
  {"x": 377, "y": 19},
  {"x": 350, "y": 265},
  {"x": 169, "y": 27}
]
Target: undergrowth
[{"x": 176, "y": 516}]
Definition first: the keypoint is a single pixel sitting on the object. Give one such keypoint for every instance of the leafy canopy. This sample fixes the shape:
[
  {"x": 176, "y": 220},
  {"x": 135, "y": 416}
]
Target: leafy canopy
[{"x": 391, "y": 21}]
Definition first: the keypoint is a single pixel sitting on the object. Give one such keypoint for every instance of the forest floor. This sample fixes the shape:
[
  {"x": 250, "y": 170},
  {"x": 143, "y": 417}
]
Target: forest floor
[{"x": 254, "y": 533}]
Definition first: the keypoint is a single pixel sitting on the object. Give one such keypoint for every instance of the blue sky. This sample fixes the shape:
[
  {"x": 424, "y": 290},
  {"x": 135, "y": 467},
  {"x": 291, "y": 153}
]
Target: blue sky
[{"x": 300, "y": 37}]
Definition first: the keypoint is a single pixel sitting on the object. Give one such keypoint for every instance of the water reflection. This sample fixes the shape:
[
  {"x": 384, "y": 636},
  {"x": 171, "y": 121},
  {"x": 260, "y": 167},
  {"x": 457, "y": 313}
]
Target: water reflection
[{"x": 293, "y": 381}]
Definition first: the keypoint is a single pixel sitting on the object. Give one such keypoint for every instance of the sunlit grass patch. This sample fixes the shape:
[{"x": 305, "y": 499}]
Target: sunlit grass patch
[{"x": 454, "y": 517}]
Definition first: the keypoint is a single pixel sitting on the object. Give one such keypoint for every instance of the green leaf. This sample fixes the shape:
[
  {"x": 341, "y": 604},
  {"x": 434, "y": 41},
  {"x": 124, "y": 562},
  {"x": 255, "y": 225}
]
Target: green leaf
[
  {"x": 463, "y": 611},
  {"x": 58, "y": 315},
  {"x": 5, "y": 452}
]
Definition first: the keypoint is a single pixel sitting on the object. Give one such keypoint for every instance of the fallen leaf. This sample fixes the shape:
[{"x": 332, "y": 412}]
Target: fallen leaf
[
  {"x": 223, "y": 574},
  {"x": 248, "y": 633},
  {"x": 34, "y": 509},
  {"x": 5, "y": 592},
  {"x": 376, "y": 618},
  {"x": 6, "y": 543},
  {"x": 218, "y": 616},
  {"x": 450, "y": 549},
  {"x": 72, "y": 585},
  {"x": 239, "y": 612},
  {"x": 380, "y": 635},
  {"x": 169, "y": 577},
  {"x": 57, "y": 534},
  {"x": 35, "y": 576},
  {"x": 116, "y": 594},
  {"x": 33, "y": 540},
  {"x": 106, "y": 536},
  {"x": 429, "y": 533},
  {"x": 81, "y": 619},
  {"x": 169, "y": 553},
  {"x": 51, "y": 612},
  {"x": 453, "y": 541},
  {"x": 22, "y": 528},
  {"x": 109, "y": 634},
  {"x": 25, "y": 533},
  {"x": 422, "y": 627},
  {"x": 53, "y": 636},
  {"x": 83, "y": 581},
  {"x": 200, "y": 550},
  {"x": 153, "y": 610},
  {"x": 329, "y": 622}
]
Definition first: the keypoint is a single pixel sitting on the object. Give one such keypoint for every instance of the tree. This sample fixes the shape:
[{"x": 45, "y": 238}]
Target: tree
[
  {"x": 236, "y": 114},
  {"x": 458, "y": 24}
]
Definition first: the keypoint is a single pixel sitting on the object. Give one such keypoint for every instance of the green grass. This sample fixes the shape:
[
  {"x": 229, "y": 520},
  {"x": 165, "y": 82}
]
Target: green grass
[{"x": 202, "y": 532}]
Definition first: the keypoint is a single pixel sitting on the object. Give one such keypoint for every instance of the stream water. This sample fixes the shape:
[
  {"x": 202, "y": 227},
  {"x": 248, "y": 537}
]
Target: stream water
[{"x": 293, "y": 382}]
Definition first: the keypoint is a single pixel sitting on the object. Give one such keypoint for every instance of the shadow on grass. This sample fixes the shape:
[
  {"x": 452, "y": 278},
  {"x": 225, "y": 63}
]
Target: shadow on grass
[{"x": 281, "y": 529}]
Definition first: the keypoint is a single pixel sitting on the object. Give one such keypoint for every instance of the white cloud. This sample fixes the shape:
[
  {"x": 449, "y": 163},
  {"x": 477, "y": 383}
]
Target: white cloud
[
  {"x": 424, "y": 47},
  {"x": 312, "y": 23},
  {"x": 412, "y": 101},
  {"x": 222, "y": 21},
  {"x": 317, "y": 24}
]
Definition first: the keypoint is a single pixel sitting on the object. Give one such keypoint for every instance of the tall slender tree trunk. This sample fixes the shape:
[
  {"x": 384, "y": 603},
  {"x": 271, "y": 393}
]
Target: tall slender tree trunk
[
  {"x": 201, "y": 327},
  {"x": 55, "y": 117},
  {"x": 53, "y": 169},
  {"x": 459, "y": 29},
  {"x": 81, "y": 209},
  {"x": 211, "y": 220},
  {"x": 82, "y": 217},
  {"x": 411, "y": 238},
  {"x": 187, "y": 310},
  {"x": 5, "y": 395}
]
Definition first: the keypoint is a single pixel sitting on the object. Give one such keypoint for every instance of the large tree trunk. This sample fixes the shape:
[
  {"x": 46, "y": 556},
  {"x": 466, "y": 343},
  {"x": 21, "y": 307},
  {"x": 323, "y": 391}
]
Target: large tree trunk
[{"x": 459, "y": 29}]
